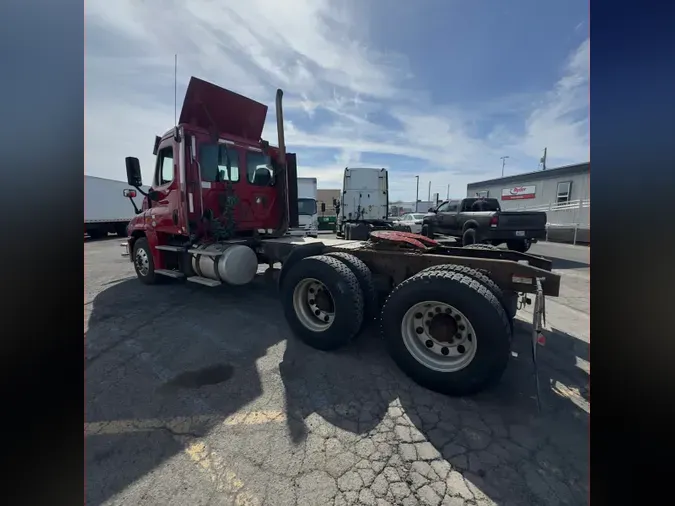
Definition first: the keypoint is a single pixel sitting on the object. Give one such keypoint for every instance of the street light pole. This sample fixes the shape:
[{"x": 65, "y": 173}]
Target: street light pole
[
  {"x": 417, "y": 192},
  {"x": 503, "y": 163}
]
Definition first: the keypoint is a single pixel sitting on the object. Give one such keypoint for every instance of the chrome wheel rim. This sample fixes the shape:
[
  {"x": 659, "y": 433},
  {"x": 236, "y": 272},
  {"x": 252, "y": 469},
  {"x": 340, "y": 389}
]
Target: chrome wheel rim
[
  {"x": 142, "y": 262},
  {"x": 314, "y": 305},
  {"x": 439, "y": 336}
]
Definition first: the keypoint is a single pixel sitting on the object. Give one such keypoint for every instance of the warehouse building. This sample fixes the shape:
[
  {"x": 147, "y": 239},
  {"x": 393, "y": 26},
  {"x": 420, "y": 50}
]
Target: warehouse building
[
  {"x": 562, "y": 192},
  {"x": 327, "y": 197}
]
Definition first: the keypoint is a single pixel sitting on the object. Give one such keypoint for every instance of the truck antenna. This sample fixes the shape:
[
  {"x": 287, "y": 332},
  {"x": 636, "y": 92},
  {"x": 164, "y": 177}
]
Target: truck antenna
[{"x": 175, "y": 89}]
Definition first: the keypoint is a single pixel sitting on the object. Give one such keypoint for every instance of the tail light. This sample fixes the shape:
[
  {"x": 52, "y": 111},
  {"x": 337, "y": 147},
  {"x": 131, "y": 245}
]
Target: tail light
[{"x": 494, "y": 221}]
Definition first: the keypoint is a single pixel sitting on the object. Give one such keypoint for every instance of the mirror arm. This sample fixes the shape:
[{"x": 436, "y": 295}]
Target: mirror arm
[
  {"x": 140, "y": 191},
  {"x": 133, "y": 203}
]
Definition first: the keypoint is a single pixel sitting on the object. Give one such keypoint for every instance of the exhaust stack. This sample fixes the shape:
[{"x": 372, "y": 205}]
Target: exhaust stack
[{"x": 280, "y": 128}]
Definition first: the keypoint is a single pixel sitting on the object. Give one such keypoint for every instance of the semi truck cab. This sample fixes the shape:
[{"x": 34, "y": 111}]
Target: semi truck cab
[{"x": 214, "y": 176}]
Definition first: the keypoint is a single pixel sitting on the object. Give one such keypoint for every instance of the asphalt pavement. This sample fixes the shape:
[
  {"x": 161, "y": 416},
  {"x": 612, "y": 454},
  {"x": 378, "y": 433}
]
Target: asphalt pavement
[{"x": 201, "y": 396}]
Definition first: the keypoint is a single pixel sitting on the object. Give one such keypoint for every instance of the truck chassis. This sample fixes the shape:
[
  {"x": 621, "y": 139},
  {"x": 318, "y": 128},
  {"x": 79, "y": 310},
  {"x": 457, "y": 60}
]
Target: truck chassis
[{"x": 447, "y": 314}]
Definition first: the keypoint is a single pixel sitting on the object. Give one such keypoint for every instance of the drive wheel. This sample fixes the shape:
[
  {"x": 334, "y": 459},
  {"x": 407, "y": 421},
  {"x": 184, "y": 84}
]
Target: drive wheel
[
  {"x": 447, "y": 331},
  {"x": 365, "y": 279},
  {"x": 323, "y": 302},
  {"x": 482, "y": 246},
  {"x": 482, "y": 277}
]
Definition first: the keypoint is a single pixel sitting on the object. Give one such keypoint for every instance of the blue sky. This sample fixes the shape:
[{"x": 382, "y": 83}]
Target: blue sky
[{"x": 436, "y": 88}]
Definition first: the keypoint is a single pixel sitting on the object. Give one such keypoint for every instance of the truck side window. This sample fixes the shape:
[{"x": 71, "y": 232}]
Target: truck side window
[
  {"x": 443, "y": 208},
  {"x": 257, "y": 172},
  {"x": 213, "y": 163},
  {"x": 165, "y": 166}
]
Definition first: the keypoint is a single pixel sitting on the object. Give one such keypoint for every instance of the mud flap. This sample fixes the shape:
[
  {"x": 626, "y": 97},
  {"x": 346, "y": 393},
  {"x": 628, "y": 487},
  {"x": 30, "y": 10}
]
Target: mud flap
[{"x": 538, "y": 339}]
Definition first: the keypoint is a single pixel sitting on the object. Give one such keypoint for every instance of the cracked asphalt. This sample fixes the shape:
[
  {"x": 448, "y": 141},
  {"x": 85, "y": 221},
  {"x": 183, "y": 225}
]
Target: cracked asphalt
[{"x": 201, "y": 396}]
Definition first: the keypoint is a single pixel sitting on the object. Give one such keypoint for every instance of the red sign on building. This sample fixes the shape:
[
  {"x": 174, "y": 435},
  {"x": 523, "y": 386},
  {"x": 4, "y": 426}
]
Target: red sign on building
[{"x": 519, "y": 193}]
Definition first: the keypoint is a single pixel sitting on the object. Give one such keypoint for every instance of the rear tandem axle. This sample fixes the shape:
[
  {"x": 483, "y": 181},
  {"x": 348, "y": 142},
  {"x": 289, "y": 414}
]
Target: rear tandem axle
[{"x": 447, "y": 317}]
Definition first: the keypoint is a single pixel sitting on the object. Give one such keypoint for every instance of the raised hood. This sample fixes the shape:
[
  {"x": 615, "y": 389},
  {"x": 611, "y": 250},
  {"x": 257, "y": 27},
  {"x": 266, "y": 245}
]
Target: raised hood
[{"x": 207, "y": 106}]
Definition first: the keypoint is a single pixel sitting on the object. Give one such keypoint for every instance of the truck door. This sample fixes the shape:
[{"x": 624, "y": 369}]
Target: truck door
[
  {"x": 166, "y": 210},
  {"x": 450, "y": 218},
  {"x": 258, "y": 207},
  {"x": 440, "y": 217}
]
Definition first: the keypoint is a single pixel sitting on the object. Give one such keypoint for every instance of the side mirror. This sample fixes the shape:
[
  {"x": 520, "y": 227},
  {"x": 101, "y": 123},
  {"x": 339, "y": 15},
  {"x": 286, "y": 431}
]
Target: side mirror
[
  {"x": 130, "y": 194},
  {"x": 134, "y": 177},
  {"x": 323, "y": 207},
  {"x": 432, "y": 210}
]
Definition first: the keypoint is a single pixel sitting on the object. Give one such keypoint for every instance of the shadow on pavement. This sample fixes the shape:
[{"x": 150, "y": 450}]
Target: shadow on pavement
[
  {"x": 168, "y": 364},
  {"x": 165, "y": 365}
]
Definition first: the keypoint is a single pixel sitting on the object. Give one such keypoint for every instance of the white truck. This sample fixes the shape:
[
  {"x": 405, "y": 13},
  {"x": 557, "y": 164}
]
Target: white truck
[
  {"x": 364, "y": 200},
  {"x": 106, "y": 209},
  {"x": 308, "y": 213}
]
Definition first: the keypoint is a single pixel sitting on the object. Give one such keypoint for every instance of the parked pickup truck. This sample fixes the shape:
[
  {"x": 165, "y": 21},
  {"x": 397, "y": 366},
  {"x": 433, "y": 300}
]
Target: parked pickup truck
[{"x": 481, "y": 220}]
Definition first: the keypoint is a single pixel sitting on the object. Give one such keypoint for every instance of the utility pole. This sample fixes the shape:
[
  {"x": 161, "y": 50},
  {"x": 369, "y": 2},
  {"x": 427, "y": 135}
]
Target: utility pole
[
  {"x": 543, "y": 160},
  {"x": 429, "y": 194},
  {"x": 447, "y": 197},
  {"x": 417, "y": 192},
  {"x": 503, "y": 158}
]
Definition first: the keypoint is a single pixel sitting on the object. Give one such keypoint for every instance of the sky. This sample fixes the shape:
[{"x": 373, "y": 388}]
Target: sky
[{"x": 439, "y": 89}]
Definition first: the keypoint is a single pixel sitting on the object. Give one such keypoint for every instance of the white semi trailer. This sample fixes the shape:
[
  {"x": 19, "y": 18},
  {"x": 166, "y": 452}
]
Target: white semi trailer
[
  {"x": 106, "y": 209},
  {"x": 364, "y": 201}
]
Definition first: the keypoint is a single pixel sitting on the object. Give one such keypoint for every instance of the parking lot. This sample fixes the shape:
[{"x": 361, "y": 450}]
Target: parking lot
[{"x": 201, "y": 396}]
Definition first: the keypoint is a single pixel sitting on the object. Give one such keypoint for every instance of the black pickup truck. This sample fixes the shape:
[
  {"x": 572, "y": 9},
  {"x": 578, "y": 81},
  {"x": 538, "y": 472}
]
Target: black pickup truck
[{"x": 481, "y": 220}]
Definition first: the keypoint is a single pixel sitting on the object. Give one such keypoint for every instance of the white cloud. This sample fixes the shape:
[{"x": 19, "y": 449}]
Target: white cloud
[{"x": 337, "y": 90}]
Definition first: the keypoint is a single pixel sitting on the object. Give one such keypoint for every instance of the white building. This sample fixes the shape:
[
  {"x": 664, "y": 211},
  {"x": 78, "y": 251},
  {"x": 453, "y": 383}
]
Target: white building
[{"x": 563, "y": 193}]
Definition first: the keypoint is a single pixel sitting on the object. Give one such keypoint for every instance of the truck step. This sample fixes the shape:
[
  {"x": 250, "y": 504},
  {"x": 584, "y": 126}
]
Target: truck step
[
  {"x": 170, "y": 273},
  {"x": 167, "y": 247},
  {"x": 204, "y": 281}
]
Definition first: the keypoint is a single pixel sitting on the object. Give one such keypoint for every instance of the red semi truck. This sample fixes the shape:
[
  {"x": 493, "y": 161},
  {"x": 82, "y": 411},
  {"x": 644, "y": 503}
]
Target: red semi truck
[{"x": 221, "y": 201}]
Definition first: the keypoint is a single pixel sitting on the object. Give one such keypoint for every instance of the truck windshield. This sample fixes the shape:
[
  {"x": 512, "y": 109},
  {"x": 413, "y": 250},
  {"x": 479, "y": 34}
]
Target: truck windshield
[{"x": 307, "y": 207}]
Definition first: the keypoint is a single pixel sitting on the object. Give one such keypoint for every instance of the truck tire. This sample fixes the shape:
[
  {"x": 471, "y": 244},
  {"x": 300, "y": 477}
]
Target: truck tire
[
  {"x": 469, "y": 237},
  {"x": 365, "y": 279},
  {"x": 482, "y": 278},
  {"x": 481, "y": 246},
  {"x": 428, "y": 230},
  {"x": 447, "y": 331},
  {"x": 520, "y": 245},
  {"x": 337, "y": 298},
  {"x": 144, "y": 265}
]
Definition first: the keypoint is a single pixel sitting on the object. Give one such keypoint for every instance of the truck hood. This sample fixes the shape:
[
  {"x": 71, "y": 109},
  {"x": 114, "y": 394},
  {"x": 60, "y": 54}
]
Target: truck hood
[{"x": 207, "y": 106}]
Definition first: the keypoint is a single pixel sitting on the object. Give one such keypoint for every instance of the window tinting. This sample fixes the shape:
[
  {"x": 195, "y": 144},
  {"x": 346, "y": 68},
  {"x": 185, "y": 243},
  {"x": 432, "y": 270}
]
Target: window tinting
[{"x": 213, "y": 162}]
